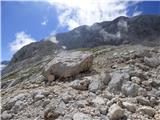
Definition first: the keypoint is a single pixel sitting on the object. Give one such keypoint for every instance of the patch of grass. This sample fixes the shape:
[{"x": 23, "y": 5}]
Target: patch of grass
[
  {"x": 82, "y": 49},
  {"x": 12, "y": 75}
]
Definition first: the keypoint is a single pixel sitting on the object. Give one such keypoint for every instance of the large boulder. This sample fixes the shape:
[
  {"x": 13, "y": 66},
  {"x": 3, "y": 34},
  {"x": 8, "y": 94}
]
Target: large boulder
[{"x": 68, "y": 64}]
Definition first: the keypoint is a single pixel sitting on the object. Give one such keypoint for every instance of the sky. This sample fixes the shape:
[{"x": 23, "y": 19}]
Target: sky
[{"x": 23, "y": 22}]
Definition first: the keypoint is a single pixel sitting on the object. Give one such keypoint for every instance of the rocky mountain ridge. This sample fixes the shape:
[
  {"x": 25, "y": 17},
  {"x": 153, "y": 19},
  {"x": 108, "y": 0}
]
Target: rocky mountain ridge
[{"x": 143, "y": 29}]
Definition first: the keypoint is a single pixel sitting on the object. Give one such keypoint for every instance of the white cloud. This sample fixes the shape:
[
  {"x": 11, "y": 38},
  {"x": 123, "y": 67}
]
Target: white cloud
[
  {"x": 21, "y": 40},
  {"x": 73, "y": 13},
  {"x": 136, "y": 12},
  {"x": 45, "y": 21},
  {"x": 53, "y": 39}
]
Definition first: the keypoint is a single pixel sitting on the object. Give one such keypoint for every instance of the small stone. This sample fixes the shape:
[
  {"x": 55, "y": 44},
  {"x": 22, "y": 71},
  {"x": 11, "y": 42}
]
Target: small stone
[
  {"x": 6, "y": 116},
  {"x": 38, "y": 96},
  {"x": 107, "y": 94},
  {"x": 61, "y": 107},
  {"x": 157, "y": 93},
  {"x": 45, "y": 103},
  {"x": 105, "y": 77},
  {"x": 142, "y": 92},
  {"x": 153, "y": 101},
  {"x": 147, "y": 110},
  {"x": 129, "y": 106},
  {"x": 152, "y": 62},
  {"x": 19, "y": 105},
  {"x": 116, "y": 81},
  {"x": 81, "y": 116},
  {"x": 50, "y": 114},
  {"x": 143, "y": 100},
  {"x": 130, "y": 89},
  {"x": 80, "y": 84},
  {"x": 98, "y": 101},
  {"x": 115, "y": 112},
  {"x": 103, "y": 110},
  {"x": 82, "y": 103},
  {"x": 66, "y": 97},
  {"x": 50, "y": 96},
  {"x": 95, "y": 85},
  {"x": 136, "y": 80}
]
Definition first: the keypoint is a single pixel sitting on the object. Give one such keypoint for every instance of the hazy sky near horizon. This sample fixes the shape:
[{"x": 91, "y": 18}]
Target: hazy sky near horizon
[{"x": 24, "y": 22}]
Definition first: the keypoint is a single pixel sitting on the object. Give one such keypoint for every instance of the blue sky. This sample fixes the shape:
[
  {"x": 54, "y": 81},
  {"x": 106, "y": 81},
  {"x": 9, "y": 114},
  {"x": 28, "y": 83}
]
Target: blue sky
[{"x": 25, "y": 22}]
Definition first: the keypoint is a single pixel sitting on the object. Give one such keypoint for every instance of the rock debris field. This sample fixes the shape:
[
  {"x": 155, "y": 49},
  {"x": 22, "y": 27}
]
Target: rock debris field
[{"x": 102, "y": 83}]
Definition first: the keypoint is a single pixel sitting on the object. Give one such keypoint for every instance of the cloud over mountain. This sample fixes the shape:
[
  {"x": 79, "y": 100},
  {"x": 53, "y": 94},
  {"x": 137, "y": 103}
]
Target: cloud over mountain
[
  {"x": 74, "y": 13},
  {"x": 21, "y": 40}
]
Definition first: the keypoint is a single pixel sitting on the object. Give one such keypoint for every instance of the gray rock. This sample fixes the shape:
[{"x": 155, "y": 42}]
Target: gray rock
[
  {"x": 157, "y": 93},
  {"x": 103, "y": 110},
  {"x": 142, "y": 92},
  {"x": 117, "y": 81},
  {"x": 9, "y": 104},
  {"x": 38, "y": 96},
  {"x": 6, "y": 116},
  {"x": 66, "y": 97},
  {"x": 152, "y": 62},
  {"x": 105, "y": 77},
  {"x": 19, "y": 105},
  {"x": 45, "y": 103},
  {"x": 69, "y": 63},
  {"x": 147, "y": 110},
  {"x": 115, "y": 112},
  {"x": 130, "y": 89},
  {"x": 81, "y": 116},
  {"x": 136, "y": 79},
  {"x": 98, "y": 101},
  {"x": 81, "y": 103},
  {"x": 143, "y": 100},
  {"x": 80, "y": 84},
  {"x": 51, "y": 114},
  {"x": 155, "y": 83},
  {"x": 143, "y": 53},
  {"x": 61, "y": 108},
  {"x": 96, "y": 85},
  {"x": 129, "y": 106}
]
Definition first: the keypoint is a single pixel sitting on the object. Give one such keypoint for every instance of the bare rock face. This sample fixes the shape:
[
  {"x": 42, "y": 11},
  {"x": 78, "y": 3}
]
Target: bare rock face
[{"x": 68, "y": 64}]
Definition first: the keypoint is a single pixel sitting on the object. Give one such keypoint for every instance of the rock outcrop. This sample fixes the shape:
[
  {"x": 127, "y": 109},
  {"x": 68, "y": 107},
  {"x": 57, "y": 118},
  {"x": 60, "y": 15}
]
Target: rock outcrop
[{"x": 68, "y": 64}]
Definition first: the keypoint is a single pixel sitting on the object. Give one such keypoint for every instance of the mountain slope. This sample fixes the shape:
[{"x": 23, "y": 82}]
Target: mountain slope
[
  {"x": 30, "y": 54},
  {"x": 143, "y": 29}
]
